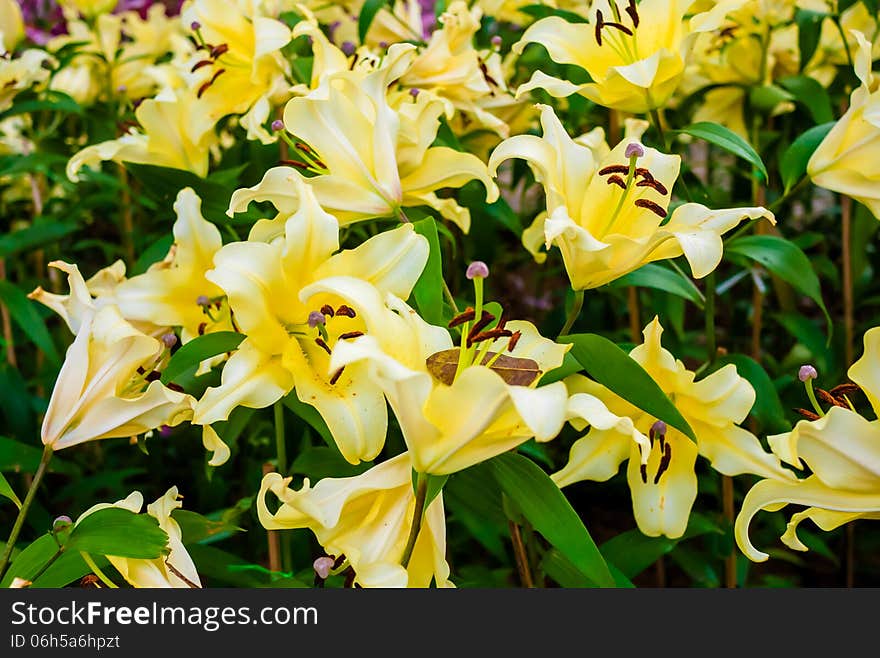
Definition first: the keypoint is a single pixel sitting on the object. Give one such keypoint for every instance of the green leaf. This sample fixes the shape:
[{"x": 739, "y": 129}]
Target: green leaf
[
  {"x": 36, "y": 235},
  {"x": 21, "y": 457},
  {"x": 199, "y": 349},
  {"x": 766, "y": 97},
  {"x": 809, "y": 28},
  {"x": 30, "y": 560},
  {"x": 793, "y": 164},
  {"x": 7, "y": 492},
  {"x": 319, "y": 462},
  {"x": 609, "y": 365},
  {"x": 662, "y": 278},
  {"x": 55, "y": 101},
  {"x": 119, "y": 532},
  {"x": 560, "y": 569},
  {"x": 550, "y": 513},
  {"x": 767, "y": 410},
  {"x": 195, "y": 527},
  {"x": 812, "y": 95},
  {"x": 428, "y": 290},
  {"x": 67, "y": 568},
  {"x": 25, "y": 315},
  {"x": 368, "y": 12},
  {"x": 715, "y": 133},
  {"x": 632, "y": 552},
  {"x": 784, "y": 259}
]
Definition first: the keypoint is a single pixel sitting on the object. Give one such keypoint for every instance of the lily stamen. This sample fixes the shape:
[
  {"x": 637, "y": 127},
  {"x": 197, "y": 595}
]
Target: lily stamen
[
  {"x": 351, "y": 334},
  {"x": 465, "y": 316},
  {"x": 616, "y": 179},
  {"x": 653, "y": 207},
  {"x": 479, "y": 325},
  {"x": 320, "y": 342},
  {"x": 327, "y": 310},
  {"x": 216, "y": 51},
  {"x": 207, "y": 84},
  {"x": 347, "y": 311},
  {"x": 664, "y": 463},
  {"x": 337, "y": 375}
]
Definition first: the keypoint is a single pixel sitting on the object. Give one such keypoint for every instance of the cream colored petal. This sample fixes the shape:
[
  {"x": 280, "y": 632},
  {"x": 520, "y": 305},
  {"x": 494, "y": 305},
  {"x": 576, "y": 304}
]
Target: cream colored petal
[
  {"x": 250, "y": 379},
  {"x": 533, "y": 238},
  {"x": 72, "y": 307},
  {"x": 214, "y": 444},
  {"x": 773, "y": 495},
  {"x": 553, "y": 86},
  {"x": 698, "y": 231},
  {"x": 276, "y": 186},
  {"x": 542, "y": 409},
  {"x": 392, "y": 261},
  {"x": 663, "y": 508},
  {"x": 842, "y": 449},
  {"x": 564, "y": 41},
  {"x": 866, "y": 371},
  {"x": 446, "y": 167},
  {"x": 735, "y": 451},
  {"x": 826, "y": 520}
]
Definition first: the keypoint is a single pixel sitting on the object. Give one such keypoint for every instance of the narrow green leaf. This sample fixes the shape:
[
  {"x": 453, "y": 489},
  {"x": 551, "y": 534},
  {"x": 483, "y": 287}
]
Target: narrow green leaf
[
  {"x": 793, "y": 164},
  {"x": 119, "y": 532},
  {"x": 428, "y": 290},
  {"x": 717, "y": 134},
  {"x": 199, "y": 349},
  {"x": 309, "y": 414},
  {"x": 368, "y": 12},
  {"x": 609, "y": 365},
  {"x": 810, "y": 93},
  {"x": 543, "y": 11},
  {"x": 662, "y": 278},
  {"x": 7, "y": 492},
  {"x": 195, "y": 527},
  {"x": 55, "y": 101},
  {"x": 25, "y": 315},
  {"x": 323, "y": 461},
  {"x": 550, "y": 513},
  {"x": 784, "y": 259},
  {"x": 36, "y": 235}
]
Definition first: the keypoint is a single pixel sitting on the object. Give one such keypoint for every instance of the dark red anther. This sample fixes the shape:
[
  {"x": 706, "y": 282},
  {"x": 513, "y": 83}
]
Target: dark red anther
[
  {"x": 492, "y": 334},
  {"x": 643, "y": 470},
  {"x": 845, "y": 389},
  {"x": 202, "y": 326},
  {"x": 324, "y": 346},
  {"x": 633, "y": 12},
  {"x": 664, "y": 462},
  {"x": 153, "y": 376},
  {"x": 216, "y": 51},
  {"x": 337, "y": 375},
  {"x": 650, "y": 205},
  {"x": 806, "y": 413},
  {"x": 327, "y": 310},
  {"x": 514, "y": 339},
  {"x": 351, "y": 334},
  {"x": 599, "y": 24},
  {"x": 614, "y": 169},
  {"x": 465, "y": 316},
  {"x": 482, "y": 323},
  {"x": 174, "y": 387},
  {"x": 622, "y": 28},
  {"x": 654, "y": 184},
  {"x": 299, "y": 164},
  {"x": 616, "y": 180},
  {"x": 198, "y": 65},
  {"x": 825, "y": 396},
  {"x": 140, "y": 370},
  {"x": 347, "y": 311},
  {"x": 207, "y": 84}
]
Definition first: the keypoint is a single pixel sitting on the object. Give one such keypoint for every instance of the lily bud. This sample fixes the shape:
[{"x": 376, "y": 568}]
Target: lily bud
[
  {"x": 277, "y": 125},
  {"x": 169, "y": 339}
]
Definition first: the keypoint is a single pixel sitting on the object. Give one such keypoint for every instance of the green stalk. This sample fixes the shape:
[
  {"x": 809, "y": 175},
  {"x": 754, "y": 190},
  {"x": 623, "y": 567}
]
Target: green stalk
[
  {"x": 575, "y": 311},
  {"x": 418, "y": 514},
  {"x": 281, "y": 451},
  {"x": 711, "y": 348},
  {"x": 25, "y": 506}
]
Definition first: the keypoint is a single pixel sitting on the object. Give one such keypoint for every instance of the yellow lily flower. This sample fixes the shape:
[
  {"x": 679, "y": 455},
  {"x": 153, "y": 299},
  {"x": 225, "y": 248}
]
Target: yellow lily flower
[
  {"x": 367, "y": 519},
  {"x": 291, "y": 328},
  {"x": 661, "y": 459},
  {"x": 11, "y": 25},
  {"x": 172, "y": 137},
  {"x": 176, "y": 569},
  {"x": 20, "y": 73},
  {"x": 842, "y": 449},
  {"x": 395, "y": 22},
  {"x": 238, "y": 67},
  {"x": 175, "y": 291},
  {"x": 88, "y": 8},
  {"x": 604, "y": 231},
  {"x": 105, "y": 389},
  {"x": 845, "y": 160},
  {"x": 371, "y": 159},
  {"x": 454, "y": 417},
  {"x": 636, "y": 57}
]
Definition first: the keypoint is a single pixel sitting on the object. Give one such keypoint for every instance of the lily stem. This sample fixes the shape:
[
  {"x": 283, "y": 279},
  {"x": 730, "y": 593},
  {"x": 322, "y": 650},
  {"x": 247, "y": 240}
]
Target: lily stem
[
  {"x": 97, "y": 570},
  {"x": 25, "y": 506},
  {"x": 522, "y": 558},
  {"x": 418, "y": 514},
  {"x": 281, "y": 451},
  {"x": 658, "y": 125},
  {"x": 711, "y": 347},
  {"x": 575, "y": 311}
]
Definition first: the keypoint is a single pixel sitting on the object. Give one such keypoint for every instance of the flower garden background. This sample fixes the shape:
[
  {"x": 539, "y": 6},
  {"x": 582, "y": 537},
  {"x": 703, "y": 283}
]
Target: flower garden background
[{"x": 439, "y": 294}]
